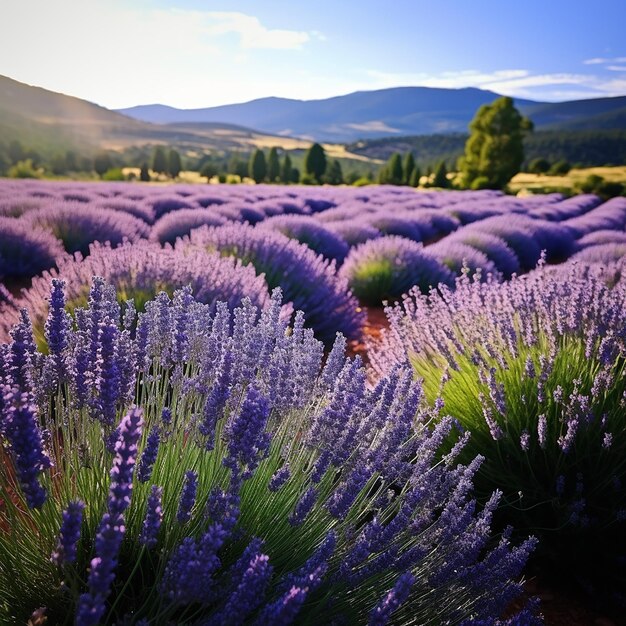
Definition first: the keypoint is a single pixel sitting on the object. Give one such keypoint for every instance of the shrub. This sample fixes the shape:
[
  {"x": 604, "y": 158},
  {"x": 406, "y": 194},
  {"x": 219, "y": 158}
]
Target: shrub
[
  {"x": 26, "y": 251},
  {"x": 114, "y": 174},
  {"x": 459, "y": 257},
  {"x": 386, "y": 268},
  {"x": 180, "y": 223},
  {"x": 307, "y": 280},
  {"x": 194, "y": 482},
  {"x": 24, "y": 169},
  {"x": 78, "y": 225},
  {"x": 535, "y": 369},
  {"x": 140, "y": 271},
  {"x": 311, "y": 233},
  {"x": 494, "y": 248}
]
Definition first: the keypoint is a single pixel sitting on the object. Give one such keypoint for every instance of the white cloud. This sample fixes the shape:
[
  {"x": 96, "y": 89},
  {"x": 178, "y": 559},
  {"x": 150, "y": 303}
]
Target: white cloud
[
  {"x": 252, "y": 34},
  {"x": 602, "y": 61},
  {"x": 518, "y": 83},
  {"x": 616, "y": 68}
]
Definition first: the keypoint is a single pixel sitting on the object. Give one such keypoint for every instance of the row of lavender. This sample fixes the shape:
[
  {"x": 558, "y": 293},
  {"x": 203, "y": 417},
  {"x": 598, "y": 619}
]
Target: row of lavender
[{"x": 374, "y": 244}]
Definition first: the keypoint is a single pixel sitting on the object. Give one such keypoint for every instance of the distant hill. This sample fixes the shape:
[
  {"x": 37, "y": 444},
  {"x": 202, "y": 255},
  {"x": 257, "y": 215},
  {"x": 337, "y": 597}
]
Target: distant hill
[
  {"x": 588, "y": 148},
  {"x": 48, "y": 121},
  {"x": 399, "y": 111}
]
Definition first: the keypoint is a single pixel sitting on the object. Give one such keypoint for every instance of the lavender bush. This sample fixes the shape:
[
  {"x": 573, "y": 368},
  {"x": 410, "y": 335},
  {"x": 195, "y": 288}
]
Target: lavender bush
[
  {"x": 138, "y": 272},
  {"x": 535, "y": 370},
  {"x": 281, "y": 489},
  {"x": 308, "y": 281},
  {"x": 26, "y": 251},
  {"x": 78, "y": 225},
  {"x": 386, "y": 268}
]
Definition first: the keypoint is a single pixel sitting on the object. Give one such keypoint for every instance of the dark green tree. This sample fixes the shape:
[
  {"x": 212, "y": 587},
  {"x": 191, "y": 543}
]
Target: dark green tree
[
  {"x": 257, "y": 169},
  {"x": 295, "y": 175},
  {"x": 539, "y": 166},
  {"x": 560, "y": 168},
  {"x": 441, "y": 176},
  {"x": 102, "y": 163},
  {"x": 495, "y": 148},
  {"x": 273, "y": 165},
  {"x": 174, "y": 164},
  {"x": 414, "y": 181},
  {"x": 395, "y": 173},
  {"x": 334, "y": 174},
  {"x": 237, "y": 165},
  {"x": 58, "y": 164},
  {"x": 407, "y": 168},
  {"x": 209, "y": 169},
  {"x": 285, "y": 170},
  {"x": 159, "y": 161},
  {"x": 144, "y": 173},
  {"x": 315, "y": 162}
]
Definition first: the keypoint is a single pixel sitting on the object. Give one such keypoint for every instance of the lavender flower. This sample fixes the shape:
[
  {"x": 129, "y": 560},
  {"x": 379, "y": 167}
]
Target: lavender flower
[
  {"x": 392, "y": 601},
  {"x": 187, "y": 497},
  {"x": 91, "y": 604},
  {"x": 148, "y": 456},
  {"x": 154, "y": 517},
  {"x": 24, "y": 436},
  {"x": 69, "y": 534}
]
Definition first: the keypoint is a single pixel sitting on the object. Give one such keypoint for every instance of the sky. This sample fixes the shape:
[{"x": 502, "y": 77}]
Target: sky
[{"x": 194, "y": 53}]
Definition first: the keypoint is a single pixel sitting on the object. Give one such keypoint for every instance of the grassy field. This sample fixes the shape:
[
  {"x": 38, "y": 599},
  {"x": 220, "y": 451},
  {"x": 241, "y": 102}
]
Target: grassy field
[{"x": 539, "y": 182}]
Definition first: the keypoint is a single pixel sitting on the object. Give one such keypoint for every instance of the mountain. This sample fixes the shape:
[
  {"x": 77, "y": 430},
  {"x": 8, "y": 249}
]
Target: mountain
[
  {"x": 51, "y": 122},
  {"x": 399, "y": 111},
  {"x": 363, "y": 114}
]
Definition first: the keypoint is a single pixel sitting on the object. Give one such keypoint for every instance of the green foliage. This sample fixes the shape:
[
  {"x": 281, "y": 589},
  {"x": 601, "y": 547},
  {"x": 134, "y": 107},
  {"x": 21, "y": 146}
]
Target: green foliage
[
  {"x": 362, "y": 182},
  {"x": 285, "y": 170},
  {"x": 495, "y": 148},
  {"x": 16, "y": 152},
  {"x": 392, "y": 172},
  {"x": 315, "y": 162},
  {"x": 237, "y": 165},
  {"x": 539, "y": 166},
  {"x": 408, "y": 168},
  {"x": 416, "y": 175},
  {"x": 295, "y": 175},
  {"x": 209, "y": 170},
  {"x": 441, "y": 176},
  {"x": 102, "y": 162},
  {"x": 482, "y": 182},
  {"x": 273, "y": 165},
  {"x": 334, "y": 175},
  {"x": 560, "y": 168},
  {"x": 159, "y": 160},
  {"x": 23, "y": 169},
  {"x": 605, "y": 189},
  {"x": 257, "y": 169},
  {"x": 144, "y": 174},
  {"x": 114, "y": 174},
  {"x": 308, "y": 179},
  {"x": 174, "y": 164}
]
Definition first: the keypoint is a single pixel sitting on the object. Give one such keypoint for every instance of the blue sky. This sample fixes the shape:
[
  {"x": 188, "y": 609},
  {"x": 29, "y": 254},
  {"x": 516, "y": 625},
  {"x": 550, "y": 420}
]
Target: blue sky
[{"x": 192, "y": 53}]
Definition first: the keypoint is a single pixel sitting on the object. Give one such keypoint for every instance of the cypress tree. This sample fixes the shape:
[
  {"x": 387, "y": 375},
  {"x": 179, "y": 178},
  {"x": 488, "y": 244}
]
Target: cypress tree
[
  {"x": 285, "y": 172},
  {"x": 144, "y": 174},
  {"x": 273, "y": 165},
  {"x": 174, "y": 164},
  {"x": 409, "y": 166},
  {"x": 394, "y": 169},
  {"x": 159, "y": 160},
  {"x": 334, "y": 175},
  {"x": 257, "y": 169},
  {"x": 315, "y": 162},
  {"x": 441, "y": 176},
  {"x": 415, "y": 177}
]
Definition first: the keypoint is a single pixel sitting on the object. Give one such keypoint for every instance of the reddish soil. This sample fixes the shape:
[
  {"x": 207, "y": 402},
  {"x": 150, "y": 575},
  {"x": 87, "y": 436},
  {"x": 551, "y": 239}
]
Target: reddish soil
[{"x": 376, "y": 321}]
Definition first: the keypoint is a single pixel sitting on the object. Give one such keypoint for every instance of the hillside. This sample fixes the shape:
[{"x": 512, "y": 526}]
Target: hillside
[
  {"x": 48, "y": 122},
  {"x": 399, "y": 111}
]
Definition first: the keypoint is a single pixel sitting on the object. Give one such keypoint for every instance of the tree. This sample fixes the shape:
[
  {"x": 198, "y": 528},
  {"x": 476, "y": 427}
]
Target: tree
[
  {"x": 285, "y": 170},
  {"x": 414, "y": 181},
  {"x": 159, "y": 160},
  {"x": 539, "y": 166},
  {"x": 102, "y": 163},
  {"x": 273, "y": 165},
  {"x": 395, "y": 173},
  {"x": 560, "y": 168},
  {"x": 257, "y": 169},
  {"x": 209, "y": 170},
  {"x": 495, "y": 148},
  {"x": 315, "y": 162},
  {"x": 408, "y": 167},
  {"x": 144, "y": 174},
  {"x": 237, "y": 165},
  {"x": 441, "y": 176},
  {"x": 334, "y": 174},
  {"x": 174, "y": 164}
]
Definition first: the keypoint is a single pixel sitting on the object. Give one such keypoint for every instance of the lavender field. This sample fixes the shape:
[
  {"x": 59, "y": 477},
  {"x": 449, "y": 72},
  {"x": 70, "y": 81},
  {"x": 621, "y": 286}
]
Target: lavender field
[{"x": 187, "y": 440}]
